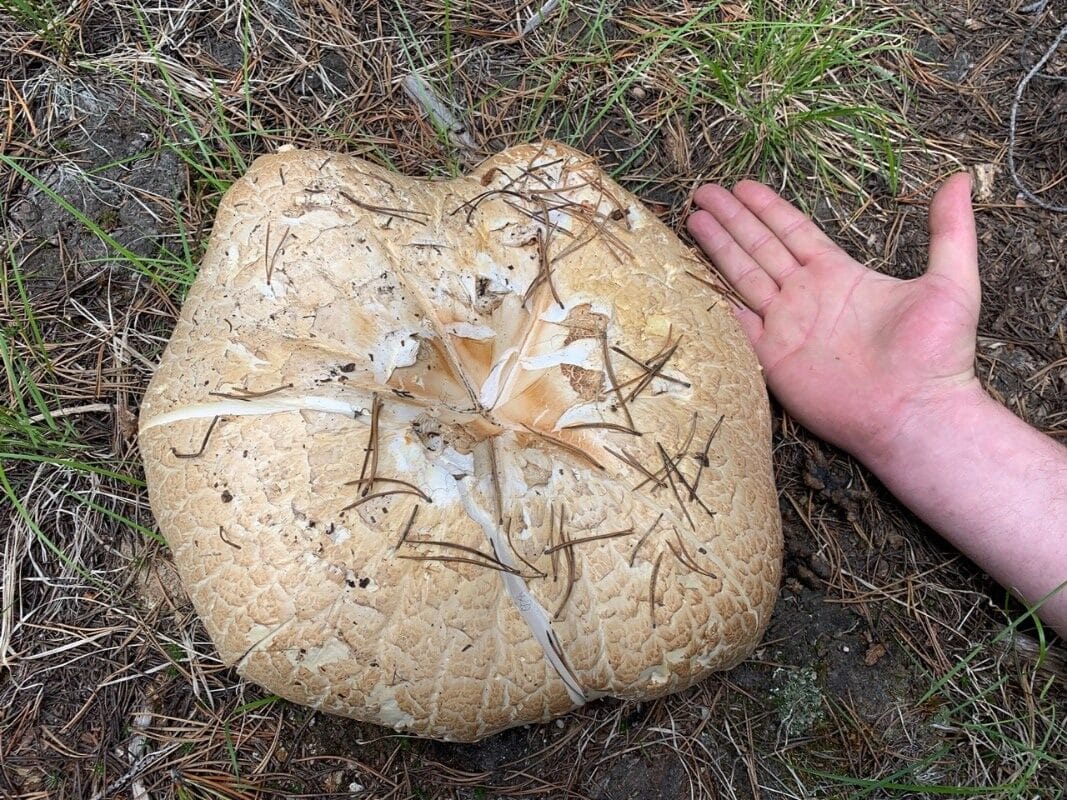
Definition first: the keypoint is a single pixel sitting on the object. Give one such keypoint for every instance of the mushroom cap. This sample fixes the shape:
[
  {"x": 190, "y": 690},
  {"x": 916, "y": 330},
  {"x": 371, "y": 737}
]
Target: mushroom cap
[{"x": 454, "y": 456}]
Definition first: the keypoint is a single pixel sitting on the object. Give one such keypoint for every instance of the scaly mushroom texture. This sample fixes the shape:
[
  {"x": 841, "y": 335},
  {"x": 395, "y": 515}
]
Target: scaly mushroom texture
[{"x": 456, "y": 456}]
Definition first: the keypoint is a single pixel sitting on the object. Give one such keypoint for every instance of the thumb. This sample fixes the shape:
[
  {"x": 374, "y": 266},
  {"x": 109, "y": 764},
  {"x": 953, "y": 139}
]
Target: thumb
[{"x": 953, "y": 242}]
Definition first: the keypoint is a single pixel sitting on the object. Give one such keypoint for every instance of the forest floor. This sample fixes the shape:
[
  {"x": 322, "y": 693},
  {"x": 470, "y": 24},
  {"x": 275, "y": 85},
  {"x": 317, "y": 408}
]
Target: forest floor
[{"x": 892, "y": 668}]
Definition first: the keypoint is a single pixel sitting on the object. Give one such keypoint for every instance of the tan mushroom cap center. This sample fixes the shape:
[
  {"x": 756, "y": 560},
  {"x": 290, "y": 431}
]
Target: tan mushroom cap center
[{"x": 487, "y": 388}]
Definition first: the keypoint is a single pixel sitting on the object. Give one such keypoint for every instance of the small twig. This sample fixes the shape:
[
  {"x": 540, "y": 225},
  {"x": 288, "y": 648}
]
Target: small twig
[
  {"x": 407, "y": 527},
  {"x": 690, "y": 560},
  {"x": 498, "y": 494},
  {"x": 595, "y": 224},
  {"x": 610, "y": 370},
  {"x": 570, "y": 448},
  {"x": 517, "y": 554},
  {"x": 641, "y": 541},
  {"x": 396, "y": 481},
  {"x": 688, "y": 439},
  {"x": 653, "y": 371},
  {"x": 266, "y": 253},
  {"x": 538, "y": 17},
  {"x": 402, "y": 213},
  {"x": 689, "y": 564},
  {"x": 203, "y": 444},
  {"x": 416, "y": 87},
  {"x": 540, "y": 217},
  {"x": 725, "y": 291},
  {"x": 692, "y": 492},
  {"x": 670, "y": 469},
  {"x": 671, "y": 465},
  {"x": 610, "y": 426},
  {"x": 644, "y": 366},
  {"x": 472, "y": 204},
  {"x": 557, "y": 191},
  {"x": 247, "y": 395},
  {"x": 1024, "y": 190},
  {"x": 370, "y": 456},
  {"x": 703, "y": 460},
  {"x": 569, "y": 678},
  {"x": 379, "y": 178},
  {"x": 460, "y": 560},
  {"x": 652, "y": 589},
  {"x": 630, "y": 461},
  {"x": 543, "y": 239},
  {"x": 367, "y": 498},
  {"x": 568, "y": 554},
  {"x": 584, "y": 539},
  {"x": 465, "y": 549},
  {"x": 90, "y": 408},
  {"x": 269, "y": 258},
  {"x": 222, "y": 535},
  {"x": 552, "y": 542},
  {"x": 544, "y": 273},
  {"x": 647, "y": 374},
  {"x": 534, "y": 172},
  {"x": 681, "y": 453}
]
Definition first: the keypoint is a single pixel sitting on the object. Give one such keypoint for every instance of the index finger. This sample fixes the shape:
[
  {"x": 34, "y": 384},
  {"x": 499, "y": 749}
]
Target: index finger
[
  {"x": 753, "y": 237},
  {"x": 800, "y": 235}
]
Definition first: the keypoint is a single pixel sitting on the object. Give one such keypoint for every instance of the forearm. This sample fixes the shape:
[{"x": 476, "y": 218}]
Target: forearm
[{"x": 992, "y": 486}]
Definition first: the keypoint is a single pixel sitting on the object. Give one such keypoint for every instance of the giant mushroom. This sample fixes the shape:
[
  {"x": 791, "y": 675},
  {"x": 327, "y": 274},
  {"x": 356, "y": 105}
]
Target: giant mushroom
[{"x": 454, "y": 456}]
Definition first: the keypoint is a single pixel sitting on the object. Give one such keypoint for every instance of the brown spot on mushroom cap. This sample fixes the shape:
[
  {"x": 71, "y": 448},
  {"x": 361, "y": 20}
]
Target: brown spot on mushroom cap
[
  {"x": 586, "y": 383},
  {"x": 584, "y": 323},
  {"x": 471, "y": 550}
]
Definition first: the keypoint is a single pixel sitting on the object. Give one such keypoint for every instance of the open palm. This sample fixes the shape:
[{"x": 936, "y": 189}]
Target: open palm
[{"x": 848, "y": 351}]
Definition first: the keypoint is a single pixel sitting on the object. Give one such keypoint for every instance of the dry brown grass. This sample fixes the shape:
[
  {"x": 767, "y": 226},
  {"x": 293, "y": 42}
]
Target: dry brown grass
[{"x": 124, "y": 123}]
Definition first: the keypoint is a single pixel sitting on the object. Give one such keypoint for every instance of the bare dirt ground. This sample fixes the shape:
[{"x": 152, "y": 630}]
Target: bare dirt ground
[{"x": 892, "y": 667}]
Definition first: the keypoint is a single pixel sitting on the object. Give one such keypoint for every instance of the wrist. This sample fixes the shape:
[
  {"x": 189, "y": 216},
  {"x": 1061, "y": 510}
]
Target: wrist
[{"x": 918, "y": 420}]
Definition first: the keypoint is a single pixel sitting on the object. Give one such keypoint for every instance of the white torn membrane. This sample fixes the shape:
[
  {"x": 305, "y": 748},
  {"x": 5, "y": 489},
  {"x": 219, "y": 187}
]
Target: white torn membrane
[
  {"x": 398, "y": 349},
  {"x": 255, "y": 407},
  {"x": 557, "y": 314},
  {"x": 434, "y": 473},
  {"x": 580, "y": 353},
  {"x": 489, "y": 394},
  {"x": 244, "y": 354},
  {"x": 532, "y": 612},
  {"x": 467, "y": 330}
]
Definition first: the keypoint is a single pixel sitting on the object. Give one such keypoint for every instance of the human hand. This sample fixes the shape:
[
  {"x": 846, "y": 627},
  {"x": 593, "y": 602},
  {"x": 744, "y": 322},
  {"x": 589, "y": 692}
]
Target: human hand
[{"x": 852, "y": 354}]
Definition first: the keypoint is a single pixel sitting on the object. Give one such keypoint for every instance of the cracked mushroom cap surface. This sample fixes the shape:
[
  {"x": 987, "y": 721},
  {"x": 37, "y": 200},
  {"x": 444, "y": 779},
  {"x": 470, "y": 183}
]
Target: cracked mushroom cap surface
[{"x": 461, "y": 455}]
